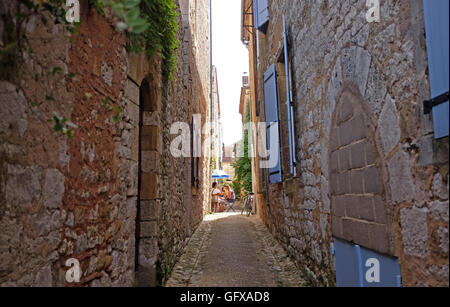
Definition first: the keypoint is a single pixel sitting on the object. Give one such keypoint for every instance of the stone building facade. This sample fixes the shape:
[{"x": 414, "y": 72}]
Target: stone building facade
[
  {"x": 229, "y": 158},
  {"x": 112, "y": 197},
  {"x": 366, "y": 168},
  {"x": 216, "y": 125}
]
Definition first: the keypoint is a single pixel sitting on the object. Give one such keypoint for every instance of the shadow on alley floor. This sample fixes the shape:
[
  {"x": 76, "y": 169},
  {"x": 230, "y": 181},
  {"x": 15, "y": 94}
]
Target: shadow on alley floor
[{"x": 233, "y": 250}]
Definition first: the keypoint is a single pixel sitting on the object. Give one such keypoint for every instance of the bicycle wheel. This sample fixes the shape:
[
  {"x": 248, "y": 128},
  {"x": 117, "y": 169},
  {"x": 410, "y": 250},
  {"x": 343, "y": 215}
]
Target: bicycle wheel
[
  {"x": 249, "y": 209},
  {"x": 245, "y": 205}
]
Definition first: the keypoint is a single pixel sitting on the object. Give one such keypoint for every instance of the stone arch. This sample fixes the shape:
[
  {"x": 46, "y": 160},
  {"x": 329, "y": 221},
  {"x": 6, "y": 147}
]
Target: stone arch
[
  {"x": 147, "y": 217},
  {"x": 357, "y": 190},
  {"x": 357, "y": 72}
]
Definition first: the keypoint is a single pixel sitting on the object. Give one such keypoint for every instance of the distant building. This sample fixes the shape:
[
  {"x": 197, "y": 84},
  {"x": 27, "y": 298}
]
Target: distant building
[
  {"x": 229, "y": 157},
  {"x": 217, "y": 128}
]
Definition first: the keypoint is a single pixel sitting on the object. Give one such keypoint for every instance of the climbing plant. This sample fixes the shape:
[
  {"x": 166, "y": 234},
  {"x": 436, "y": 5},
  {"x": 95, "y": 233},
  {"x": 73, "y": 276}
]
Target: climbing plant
[
  {"x": 243, "y": 165},
  {"x": 150, "y": 25},
  {"x": 161, "y": 34}
]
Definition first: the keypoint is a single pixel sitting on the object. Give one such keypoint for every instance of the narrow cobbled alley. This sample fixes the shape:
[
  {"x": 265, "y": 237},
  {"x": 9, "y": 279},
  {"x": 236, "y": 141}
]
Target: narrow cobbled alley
[
  {"x": 233, "y": 250},
  {"x": 125, "y": 123}
]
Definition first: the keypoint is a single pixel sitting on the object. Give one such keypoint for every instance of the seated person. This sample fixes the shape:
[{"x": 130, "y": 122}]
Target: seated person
[
  {"x": 233, "y": 196},
  {"x": 216, "y": 194},
  {"x": 228, "y": 194}
]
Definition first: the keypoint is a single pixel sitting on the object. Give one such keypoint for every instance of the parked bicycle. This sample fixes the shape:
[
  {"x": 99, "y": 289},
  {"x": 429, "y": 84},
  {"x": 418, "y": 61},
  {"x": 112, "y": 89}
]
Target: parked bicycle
[{"x": 248, "y": 204}]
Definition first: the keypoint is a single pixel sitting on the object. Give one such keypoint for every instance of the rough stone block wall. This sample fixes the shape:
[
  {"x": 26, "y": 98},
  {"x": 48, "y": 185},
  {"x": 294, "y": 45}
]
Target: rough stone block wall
[
  {"x": 331, "y": 45},
  {"x": 77, "y": 198},
  {"x": 79, "y": 206}
]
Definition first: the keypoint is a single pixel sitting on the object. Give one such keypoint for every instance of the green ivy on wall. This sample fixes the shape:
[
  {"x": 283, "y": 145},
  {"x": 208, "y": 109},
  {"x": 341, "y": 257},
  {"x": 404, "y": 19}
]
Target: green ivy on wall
[
  {"x": 243, "y": 165},
  {"x": 150, "y": 25},
  {"x": 160, "y": 35}
]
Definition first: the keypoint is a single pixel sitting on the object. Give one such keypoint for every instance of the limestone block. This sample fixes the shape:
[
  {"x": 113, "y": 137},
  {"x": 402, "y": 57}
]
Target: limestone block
[
  {"x": 132, "y": 112},
  {"x": 135, "y": 145},
  {"x": 150, "y": 161},
  {"x": 132, "y": 92},
  {"x": 443, "y": 239},
  {"x": 439, "y": 187},
  {"x": 54, "y": 188},
  {"x": 149, "y": 186},
  {"x": 401, "y": 181},
  {"x": 376, "y": 90},
  {"x": 372, "y": 180},
  {"x": 362, "y": 37},
  {"x": 378, "y": 238},
  {"x": 414, "y": 231},
  {"x": 334, "y": 86},
  {"x": 13, "y": 106},
  {"x": 107, "y": 72},
  {"x": 150, "y": 210},
  {"x": 148, "y": 229},
  {"x": 150, "y": 138},
  {"x": 439, "y": 210},
  {"x": 45, "y": 223},
  {"x": 151, "y": 119},
  {"x": 23, "y": 185},
  {"x": 389, "y": 126},
  {"x": 363, "y": 61}
]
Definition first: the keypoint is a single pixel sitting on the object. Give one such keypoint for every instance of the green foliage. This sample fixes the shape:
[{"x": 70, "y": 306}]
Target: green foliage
[
  {"x": 117, "y": 112},
  {"x": 115, "y": 108},
  {"x": 243, "y": 166},
  {"x": 63, "y": 125},
  {"x": 128, "y": 11},
  {"x": 55, "y": 70},
  {"x": 150, "y": 25},
  {"x": 237, "y": 187},
  {"x": 98, "y": 5},
  {"x": 161, "y": 34}
]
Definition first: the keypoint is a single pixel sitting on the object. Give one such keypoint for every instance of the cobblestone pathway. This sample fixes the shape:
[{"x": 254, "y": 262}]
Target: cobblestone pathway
[{"x": 230, "y": 250}]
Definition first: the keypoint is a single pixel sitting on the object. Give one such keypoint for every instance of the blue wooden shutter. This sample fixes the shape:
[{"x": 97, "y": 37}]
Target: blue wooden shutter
[
  {"x": 346, "y": 264},
  {"x": 196, "y": 149},
  {"x": 350, "y": 264},
  {"x": 255, "y": 13},
  {"x": 261, "y": 13},
  {"x": 437, "y": 32},
  {"x": 289, "y": 102},
  {"x": 272, "y": 121},
  {"x": 389, "y": 269}
]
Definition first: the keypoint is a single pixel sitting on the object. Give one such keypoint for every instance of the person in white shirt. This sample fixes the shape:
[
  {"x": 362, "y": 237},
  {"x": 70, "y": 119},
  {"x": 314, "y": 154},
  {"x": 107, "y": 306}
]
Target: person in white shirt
[{"x": 216, "y": 193}]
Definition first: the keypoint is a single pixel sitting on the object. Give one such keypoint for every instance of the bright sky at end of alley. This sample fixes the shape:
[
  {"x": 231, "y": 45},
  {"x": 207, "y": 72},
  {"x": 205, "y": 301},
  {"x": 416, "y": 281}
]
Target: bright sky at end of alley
[{"x": 230, "y": 56}]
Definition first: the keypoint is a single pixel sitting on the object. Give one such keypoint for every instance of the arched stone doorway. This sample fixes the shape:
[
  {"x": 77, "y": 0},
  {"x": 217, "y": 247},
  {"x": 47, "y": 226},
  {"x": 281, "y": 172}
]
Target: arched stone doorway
[
  {"x": 357, "y": 191},
  {"x": 147, "y": 217},
  {"x": 363, "y": 241}
]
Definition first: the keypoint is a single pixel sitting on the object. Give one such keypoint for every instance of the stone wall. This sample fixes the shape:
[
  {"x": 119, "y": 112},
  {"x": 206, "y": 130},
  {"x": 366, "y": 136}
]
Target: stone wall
[
  {"x": 182, "y": 203},
  {"x": 91, "y": 196},
  {"x": 368, "y": 168}
]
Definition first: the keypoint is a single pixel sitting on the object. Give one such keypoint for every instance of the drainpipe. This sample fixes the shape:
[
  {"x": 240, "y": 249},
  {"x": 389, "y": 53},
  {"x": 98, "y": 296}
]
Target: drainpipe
[{"x": 210, "y": 66}]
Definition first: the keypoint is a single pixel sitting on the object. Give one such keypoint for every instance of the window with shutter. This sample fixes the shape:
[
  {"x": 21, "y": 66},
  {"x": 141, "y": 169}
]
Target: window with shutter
[
  {"x": 261, "y": 14},
  {"x": 196, "y": 150},
  {"x": 289, "y": 103},
  {"x": 255, "y": 13},
  {"x": 437, "y": 33},
  {"x": 272, "y": 124}
]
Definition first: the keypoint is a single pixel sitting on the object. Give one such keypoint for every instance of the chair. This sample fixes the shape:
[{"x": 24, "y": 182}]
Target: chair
[{"x": 230, "y": 205}]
